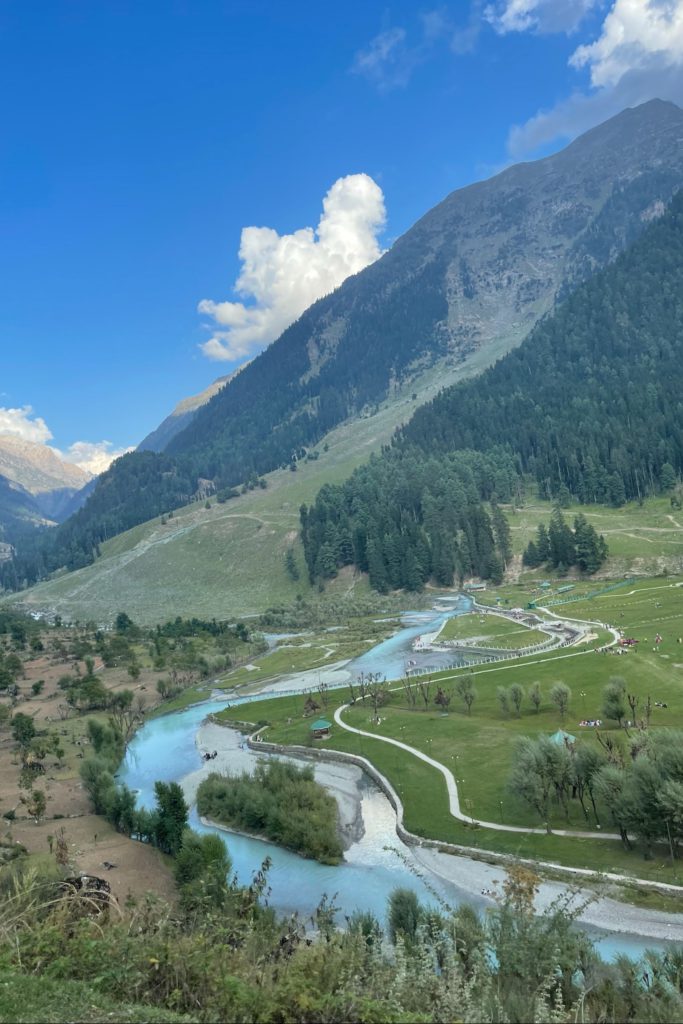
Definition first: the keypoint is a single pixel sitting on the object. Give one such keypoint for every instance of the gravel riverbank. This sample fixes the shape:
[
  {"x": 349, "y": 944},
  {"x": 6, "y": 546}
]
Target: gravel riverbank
[
  {"x": 367, "y": 825},
  {"x": 603, "y": 912},
  {"x": 343, "y": 781}
]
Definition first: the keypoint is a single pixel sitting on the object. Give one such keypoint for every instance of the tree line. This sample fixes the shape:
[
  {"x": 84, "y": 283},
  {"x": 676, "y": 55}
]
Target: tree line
[{"x": 405, "y": 518}]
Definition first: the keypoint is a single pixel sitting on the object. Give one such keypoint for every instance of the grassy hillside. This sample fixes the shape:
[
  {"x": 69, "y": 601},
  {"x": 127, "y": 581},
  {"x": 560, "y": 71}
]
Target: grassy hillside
[{"x": 229, "y": 560}]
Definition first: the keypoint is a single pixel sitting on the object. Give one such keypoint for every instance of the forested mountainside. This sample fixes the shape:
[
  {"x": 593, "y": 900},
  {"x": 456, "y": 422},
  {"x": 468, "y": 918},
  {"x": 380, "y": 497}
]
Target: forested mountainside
[
  {"x": 478, "y": 270},
  {"x": 589, "y": 404},
  {"x": 18, "y": 512}
]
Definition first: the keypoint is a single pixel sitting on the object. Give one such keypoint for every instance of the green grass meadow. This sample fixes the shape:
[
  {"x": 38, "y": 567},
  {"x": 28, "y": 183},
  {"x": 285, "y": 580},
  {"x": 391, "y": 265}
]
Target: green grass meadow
[{"x": 479, "y": 748}]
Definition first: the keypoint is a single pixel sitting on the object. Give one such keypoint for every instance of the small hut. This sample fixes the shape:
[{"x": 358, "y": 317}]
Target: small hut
[{"x": 321, "y": 729}]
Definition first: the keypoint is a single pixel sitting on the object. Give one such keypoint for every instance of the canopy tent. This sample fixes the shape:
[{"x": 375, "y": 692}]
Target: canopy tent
[
  {"x": 562, "y": 738},
  {"x": 321, "y": 728}
]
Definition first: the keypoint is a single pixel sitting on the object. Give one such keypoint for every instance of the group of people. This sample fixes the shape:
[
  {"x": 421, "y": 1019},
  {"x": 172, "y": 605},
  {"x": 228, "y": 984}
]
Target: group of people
[
  {"x": 594, "y": 722},
  {"x": 209, "y": 757}
]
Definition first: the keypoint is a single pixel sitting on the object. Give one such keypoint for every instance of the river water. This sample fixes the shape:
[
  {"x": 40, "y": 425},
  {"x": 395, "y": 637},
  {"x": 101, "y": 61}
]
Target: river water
[{"x": 165, "y": 749}]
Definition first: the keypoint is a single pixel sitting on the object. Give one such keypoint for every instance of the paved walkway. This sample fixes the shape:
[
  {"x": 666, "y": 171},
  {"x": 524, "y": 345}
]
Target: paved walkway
[
  {"x": 452, "y": 788},
  {"x": 451, "y": 784}
]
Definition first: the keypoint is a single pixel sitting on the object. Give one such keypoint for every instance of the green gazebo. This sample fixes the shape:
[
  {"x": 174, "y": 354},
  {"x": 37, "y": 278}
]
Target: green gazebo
[{"x": 321, "y": 729}]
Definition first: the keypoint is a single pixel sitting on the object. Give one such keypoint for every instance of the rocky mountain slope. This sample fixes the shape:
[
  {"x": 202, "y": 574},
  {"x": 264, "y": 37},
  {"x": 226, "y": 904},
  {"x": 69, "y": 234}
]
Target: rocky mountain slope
[
  {"x": 37, "y": 469},
  {"x": 460, "y": 288},
  {"x": 474, "y": 273}
]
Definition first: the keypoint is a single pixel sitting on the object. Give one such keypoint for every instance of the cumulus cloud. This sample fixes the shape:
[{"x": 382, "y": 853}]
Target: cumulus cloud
[
  {"x": 282, "y": 275},
  {"x": 636, "y": 35},
  {"x": 22, "y": 423},
  {"x": 537, "y": 15},
  {"x": 637, "y": 56},
  {"x": 93, "y": 457}
]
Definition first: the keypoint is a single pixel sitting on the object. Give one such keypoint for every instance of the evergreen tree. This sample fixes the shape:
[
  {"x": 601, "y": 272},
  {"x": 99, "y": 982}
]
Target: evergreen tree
[
  {"x": 542, "y": 544},
  {"x": 561, "y": 540},
  {"x": 667, "y": 477},
  {"x": 501, "y": 530}
]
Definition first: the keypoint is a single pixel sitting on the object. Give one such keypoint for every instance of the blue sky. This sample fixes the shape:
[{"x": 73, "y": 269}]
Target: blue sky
[{"x": 139, "y": 140}]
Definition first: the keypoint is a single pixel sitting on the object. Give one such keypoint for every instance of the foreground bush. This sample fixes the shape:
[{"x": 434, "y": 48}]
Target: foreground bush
[{"x": 240, "y": 963}]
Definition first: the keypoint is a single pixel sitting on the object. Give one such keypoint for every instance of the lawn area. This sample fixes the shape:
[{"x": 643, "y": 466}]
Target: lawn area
[
  {"x": 479, "y": 748},
  {"x": 491, "y": 631},
  {"x": 637, "y": 535}
]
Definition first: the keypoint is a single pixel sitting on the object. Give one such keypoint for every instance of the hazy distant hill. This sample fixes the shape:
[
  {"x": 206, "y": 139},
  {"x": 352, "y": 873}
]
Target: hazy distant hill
[
  {"x": 18, "y": 511},
  {"x": 460, "y": 288},
  {"x": 181, "y": 417}
]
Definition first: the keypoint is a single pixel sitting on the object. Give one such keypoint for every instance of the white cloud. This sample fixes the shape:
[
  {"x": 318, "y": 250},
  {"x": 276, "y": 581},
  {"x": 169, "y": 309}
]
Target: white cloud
[
  {"x": 537, "y": 15},
  {"x": 92, "y": 456},
  {"x": 22, "y": 423},
  {"x": 636, "y": 34},
  {"x": 386, "y": 61},
  {"x": 282, "y": 275},
  {"x": 637, "y": 56}
]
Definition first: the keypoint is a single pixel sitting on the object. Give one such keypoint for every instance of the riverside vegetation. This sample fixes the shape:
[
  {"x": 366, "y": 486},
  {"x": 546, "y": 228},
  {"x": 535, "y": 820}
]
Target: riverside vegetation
[
  {"x": 473, "y": 720},
  {"x": 280, "y": 801},
  {"x": 218, "y": 953}
]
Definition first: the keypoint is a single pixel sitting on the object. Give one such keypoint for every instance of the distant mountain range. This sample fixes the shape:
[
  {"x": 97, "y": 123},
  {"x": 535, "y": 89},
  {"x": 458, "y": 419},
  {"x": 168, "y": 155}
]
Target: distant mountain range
[
  {"x": 50, "y": 480},
  {"x": 465, "y": 285}
]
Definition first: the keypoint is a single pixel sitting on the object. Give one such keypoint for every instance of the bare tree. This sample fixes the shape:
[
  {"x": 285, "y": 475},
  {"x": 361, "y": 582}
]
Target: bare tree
[
  {"x": 442, "y": 699},
  {"x": 633, "y": 702},
  {"x": 648, "y": 711},
  {"x": 410, "y": 690},
  {"x": 377, "y": 692},
  {"x": 425, "y": 687}
]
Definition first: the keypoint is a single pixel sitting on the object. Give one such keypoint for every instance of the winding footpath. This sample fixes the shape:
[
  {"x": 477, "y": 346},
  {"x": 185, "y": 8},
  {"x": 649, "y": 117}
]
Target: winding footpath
[
  {"x": 454, "y": 806},
  {"x": 451, "y": 784},
  {"x": 452, "y": 788}
]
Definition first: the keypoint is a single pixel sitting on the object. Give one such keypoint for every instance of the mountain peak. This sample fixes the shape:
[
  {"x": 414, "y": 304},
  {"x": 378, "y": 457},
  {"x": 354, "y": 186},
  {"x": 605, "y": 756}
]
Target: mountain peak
[{"x": 36, "y": 467}]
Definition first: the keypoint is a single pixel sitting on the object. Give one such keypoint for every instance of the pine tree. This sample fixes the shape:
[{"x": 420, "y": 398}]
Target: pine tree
[
  {"x": 376, "y": 568},
  {"x": 501, "y": 531},
  {"x": 667, "y": 477},
  {"x": 530, "y": 557},
  {"x": 561, "y": 540},
  {"x": 542, "y": 544}
]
